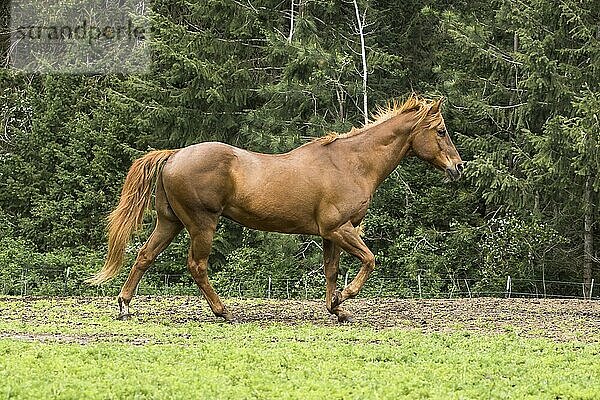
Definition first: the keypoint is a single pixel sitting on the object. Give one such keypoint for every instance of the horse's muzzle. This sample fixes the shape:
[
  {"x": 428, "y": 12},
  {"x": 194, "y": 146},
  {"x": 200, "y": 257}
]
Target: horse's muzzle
[{"x": 456, "y": 172}]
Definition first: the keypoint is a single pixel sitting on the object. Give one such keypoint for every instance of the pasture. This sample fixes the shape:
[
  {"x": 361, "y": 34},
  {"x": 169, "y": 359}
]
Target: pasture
[{"x": 70, "y": 348}]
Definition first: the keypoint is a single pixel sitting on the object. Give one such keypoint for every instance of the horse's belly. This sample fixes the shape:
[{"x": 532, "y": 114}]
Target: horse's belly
[
  {"x": 273, "y": 193},
  {"x": 271, "y": 218}
]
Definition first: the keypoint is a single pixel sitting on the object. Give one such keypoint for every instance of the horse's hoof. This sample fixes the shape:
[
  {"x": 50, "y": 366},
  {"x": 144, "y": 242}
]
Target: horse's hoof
[
  {"x": 229, "y": 318},
  {"x": 345, "y": 319},
  {"x": 124, "y": 317}
]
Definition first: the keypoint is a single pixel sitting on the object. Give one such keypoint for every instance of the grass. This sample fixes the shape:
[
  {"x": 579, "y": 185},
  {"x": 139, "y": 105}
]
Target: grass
[{"x": 90, "y": 355}]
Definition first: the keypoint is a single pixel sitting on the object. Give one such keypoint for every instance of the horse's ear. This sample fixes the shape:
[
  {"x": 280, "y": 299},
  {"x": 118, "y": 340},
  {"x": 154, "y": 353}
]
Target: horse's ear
[{"x": 436, "y": 107}]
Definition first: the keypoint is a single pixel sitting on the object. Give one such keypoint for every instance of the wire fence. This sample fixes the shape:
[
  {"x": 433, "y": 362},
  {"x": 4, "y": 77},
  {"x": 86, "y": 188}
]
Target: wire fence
[{"x": 64, "y": 282}]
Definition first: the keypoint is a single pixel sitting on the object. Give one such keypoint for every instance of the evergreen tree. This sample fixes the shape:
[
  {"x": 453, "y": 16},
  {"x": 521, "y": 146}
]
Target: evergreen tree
[{"x": 531, "y": 78}]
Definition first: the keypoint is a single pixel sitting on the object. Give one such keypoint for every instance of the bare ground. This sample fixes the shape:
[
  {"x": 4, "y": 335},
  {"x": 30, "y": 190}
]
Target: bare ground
[{"x": 560, "y": 320}]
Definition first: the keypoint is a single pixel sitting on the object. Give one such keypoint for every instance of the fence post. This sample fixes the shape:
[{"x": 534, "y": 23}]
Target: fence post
[
  {"x": 346, "y": 279},
  {"x": 589, "y": 296},
  {"x": 544, "y": 279},
  {"x": 269, "y": 289},
  {"x": 66, "y": 280},
  {"x": 287, "y": 288},
  {"x": 508, "y": 287},
  {"x": 419, "y": 285}
]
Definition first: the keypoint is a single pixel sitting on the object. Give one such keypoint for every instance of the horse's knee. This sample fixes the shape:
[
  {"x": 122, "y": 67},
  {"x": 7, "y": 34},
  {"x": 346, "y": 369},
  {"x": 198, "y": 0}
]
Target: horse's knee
[
  {"x": 199, "y": 273},
  {"x": 369, "y": 263}
]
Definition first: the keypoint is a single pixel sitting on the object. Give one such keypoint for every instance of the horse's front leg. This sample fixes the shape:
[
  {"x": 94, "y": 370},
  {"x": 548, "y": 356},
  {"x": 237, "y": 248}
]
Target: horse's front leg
[
  {"x": 348, "y": 239},
  {"x": 331, "y": 260}
]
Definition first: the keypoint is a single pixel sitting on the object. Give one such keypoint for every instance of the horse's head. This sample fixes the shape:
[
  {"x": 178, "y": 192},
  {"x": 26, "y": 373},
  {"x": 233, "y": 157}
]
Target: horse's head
[{"x": 431, "y": 142}]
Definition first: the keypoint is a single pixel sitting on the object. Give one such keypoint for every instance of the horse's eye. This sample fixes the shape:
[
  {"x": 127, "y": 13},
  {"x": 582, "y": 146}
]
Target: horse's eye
[{"x": 441, "y": 133}]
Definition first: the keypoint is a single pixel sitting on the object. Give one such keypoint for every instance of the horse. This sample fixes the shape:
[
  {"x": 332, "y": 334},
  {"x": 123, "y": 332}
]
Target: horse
[{"x": 321, "y": 188}]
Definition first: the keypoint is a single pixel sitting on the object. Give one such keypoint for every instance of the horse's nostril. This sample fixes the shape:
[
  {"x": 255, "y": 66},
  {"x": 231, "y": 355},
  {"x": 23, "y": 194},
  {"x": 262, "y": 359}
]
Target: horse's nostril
[{"x": 460, "y": 167}]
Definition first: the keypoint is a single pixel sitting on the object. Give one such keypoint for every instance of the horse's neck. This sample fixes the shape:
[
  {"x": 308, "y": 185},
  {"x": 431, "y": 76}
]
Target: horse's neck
[{"x": 380, "y": 149}]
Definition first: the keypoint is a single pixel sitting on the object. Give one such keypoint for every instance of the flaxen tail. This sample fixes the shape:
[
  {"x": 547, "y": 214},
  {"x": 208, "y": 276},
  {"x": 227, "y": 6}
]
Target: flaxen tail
[{"x": 127, "y": 217}]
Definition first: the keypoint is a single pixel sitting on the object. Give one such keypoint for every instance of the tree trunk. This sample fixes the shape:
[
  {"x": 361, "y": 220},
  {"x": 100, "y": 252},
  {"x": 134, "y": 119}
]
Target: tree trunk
[
  {"x": 588, "y": 238},
  {"x": 361, "y": 24},
  {"x": 513, "y": 118},
  {"x": 292, "y": 20}
]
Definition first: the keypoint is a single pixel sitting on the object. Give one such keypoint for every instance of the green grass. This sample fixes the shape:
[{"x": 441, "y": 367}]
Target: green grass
[{"x": 211, "y": 360}]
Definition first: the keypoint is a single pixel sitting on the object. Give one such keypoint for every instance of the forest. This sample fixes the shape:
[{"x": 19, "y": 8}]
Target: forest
[{"x": 521, "y": 83}]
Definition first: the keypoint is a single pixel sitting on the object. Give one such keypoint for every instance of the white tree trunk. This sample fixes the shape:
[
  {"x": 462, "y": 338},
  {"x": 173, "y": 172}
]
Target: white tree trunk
[
  {"x": 361, "y": 24},
  {"x": 292, "y": 16}
]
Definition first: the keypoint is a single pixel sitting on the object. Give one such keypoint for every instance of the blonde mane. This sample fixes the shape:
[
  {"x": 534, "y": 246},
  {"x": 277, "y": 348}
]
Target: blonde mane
[{"x": 382, "y": 114}]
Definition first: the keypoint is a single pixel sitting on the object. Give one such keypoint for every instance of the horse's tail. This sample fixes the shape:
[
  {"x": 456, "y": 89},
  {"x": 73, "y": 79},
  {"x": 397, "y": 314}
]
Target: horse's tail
[{"x": 128, "y": 216}]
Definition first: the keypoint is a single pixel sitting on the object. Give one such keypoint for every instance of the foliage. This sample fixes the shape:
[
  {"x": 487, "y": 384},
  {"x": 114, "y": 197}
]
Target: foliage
[
  {"x": 522, "y": 88},
  {"x": 57, "y": 272},
  {"x": 532, "y": 72},
  {"x": 515, "y": 246}
]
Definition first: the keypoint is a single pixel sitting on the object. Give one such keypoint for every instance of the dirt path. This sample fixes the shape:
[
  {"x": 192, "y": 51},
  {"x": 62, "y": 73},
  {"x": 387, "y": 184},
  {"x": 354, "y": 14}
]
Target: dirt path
[{"x": 559, "y": 320}]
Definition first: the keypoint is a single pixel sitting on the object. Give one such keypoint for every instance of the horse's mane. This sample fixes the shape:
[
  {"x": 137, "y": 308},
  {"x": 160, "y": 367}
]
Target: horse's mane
[{"x": 392, "y": 108}]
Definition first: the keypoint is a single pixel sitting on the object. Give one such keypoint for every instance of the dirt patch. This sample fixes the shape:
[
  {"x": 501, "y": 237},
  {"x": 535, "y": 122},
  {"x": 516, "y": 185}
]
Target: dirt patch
[
  {"x": 559, "y": 320},
  {"x": 555, "y": 319}
]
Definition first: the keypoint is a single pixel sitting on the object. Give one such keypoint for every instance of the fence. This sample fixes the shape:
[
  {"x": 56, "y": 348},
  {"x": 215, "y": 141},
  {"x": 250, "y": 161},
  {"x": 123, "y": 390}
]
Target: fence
[{"x": 30, "y": 282}]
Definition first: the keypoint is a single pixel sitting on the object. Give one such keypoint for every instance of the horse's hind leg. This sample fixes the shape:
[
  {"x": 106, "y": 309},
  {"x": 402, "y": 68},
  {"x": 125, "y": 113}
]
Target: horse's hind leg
[
  {"x": 163, "y": 234},
  {"x": 331, "y": 259},
  {"x": 201, "y": 242}
]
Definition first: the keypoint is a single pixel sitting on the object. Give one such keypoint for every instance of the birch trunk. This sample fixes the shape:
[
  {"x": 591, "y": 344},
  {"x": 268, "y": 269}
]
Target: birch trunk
[
  {"x": 360, "y": 24},
  {"x": 292, "y": 17}
]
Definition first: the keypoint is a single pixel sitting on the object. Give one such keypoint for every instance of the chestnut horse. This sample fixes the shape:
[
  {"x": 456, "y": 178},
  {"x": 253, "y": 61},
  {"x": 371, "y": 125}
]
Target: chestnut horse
[{"x": 321, "y": 188}]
